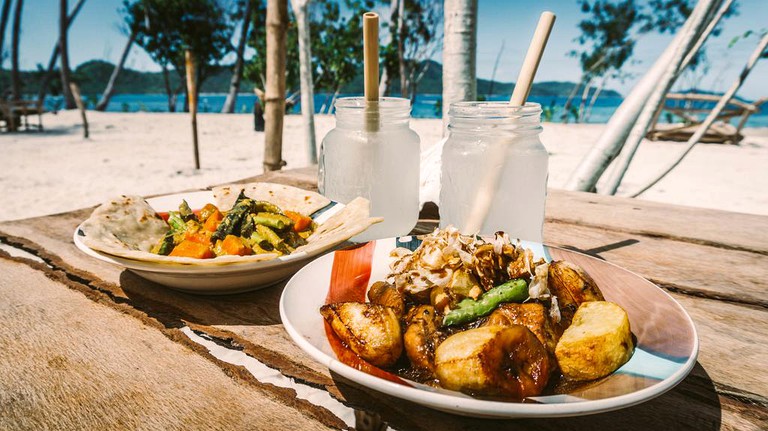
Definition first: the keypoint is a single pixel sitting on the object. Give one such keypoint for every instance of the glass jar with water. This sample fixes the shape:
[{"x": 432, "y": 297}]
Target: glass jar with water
[
  {"x": 373, "y": 153},
  {"x": 493, "y": 149}
]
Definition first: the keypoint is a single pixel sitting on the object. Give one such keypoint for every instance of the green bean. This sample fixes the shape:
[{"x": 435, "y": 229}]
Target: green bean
[
  {"x": 264, "y": 206},
  {"x": 469, "y": 309},
  {"x": 269, "y": 235},
  {"x": 273, "y": 221}
]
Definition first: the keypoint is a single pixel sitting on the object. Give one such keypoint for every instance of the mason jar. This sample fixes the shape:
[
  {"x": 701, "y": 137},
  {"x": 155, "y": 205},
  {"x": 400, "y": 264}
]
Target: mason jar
[
  {"x": 493, "y": 159},
  {"x": 372, "y": 152}
]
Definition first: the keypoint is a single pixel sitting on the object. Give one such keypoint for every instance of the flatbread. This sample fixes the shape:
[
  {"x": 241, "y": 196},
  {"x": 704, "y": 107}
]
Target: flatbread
[
  {"x": 128, "y": 227},
  {"x": 285, "y": 197},
  {"x": 125, "y": 223}
]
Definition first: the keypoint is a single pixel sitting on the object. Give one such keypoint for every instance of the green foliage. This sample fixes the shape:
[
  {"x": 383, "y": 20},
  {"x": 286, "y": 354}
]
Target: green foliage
[
  {"x": 336, "y": 44},
  {"x": 166, "y": 28},
  {"x": 747, "y": 34}
]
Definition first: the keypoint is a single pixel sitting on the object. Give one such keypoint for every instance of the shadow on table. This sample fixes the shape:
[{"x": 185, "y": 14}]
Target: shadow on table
[
  {"x": 692, "y": 405},
  {"x": 258, "y": 307}
]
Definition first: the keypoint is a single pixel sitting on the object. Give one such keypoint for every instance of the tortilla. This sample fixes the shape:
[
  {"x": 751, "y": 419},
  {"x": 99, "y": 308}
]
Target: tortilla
[
  {"x": 128, "y": 227},
  {"x": 285, "y": 197}
]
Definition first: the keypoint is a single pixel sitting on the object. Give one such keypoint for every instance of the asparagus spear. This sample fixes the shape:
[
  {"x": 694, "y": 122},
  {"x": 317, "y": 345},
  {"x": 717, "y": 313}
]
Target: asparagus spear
[
  {"x": 469, "y": 309},
  {"x": 233, "y": 220}
]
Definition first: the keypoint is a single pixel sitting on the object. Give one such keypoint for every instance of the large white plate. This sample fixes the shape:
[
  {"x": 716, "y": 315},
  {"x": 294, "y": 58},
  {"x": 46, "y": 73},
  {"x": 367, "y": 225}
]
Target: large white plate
[
  {"x": 667, "y": 344},
  {"x": 212, "y": 280}
]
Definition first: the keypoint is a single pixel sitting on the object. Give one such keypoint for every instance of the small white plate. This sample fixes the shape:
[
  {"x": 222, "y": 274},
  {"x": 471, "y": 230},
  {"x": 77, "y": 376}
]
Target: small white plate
[
  {"x": 212, "y": 280},
  {"x": 667, "y": 344}
]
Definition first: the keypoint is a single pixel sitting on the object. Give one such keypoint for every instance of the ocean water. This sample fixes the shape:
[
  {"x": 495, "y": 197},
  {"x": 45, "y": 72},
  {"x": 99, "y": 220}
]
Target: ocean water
[{"x": 425, "y": 105}]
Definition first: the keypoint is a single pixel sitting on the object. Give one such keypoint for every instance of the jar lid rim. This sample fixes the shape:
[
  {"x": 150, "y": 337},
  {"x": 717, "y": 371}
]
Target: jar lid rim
[
  {"x": 493, "y": 108},
  {"x": 362, "y": 103}
]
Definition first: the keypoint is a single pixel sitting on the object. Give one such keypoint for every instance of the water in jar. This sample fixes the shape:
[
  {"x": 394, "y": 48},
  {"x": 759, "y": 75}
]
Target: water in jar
[
  {"x": 470, "y": 159},
  {"x": 381, "y": 166}
]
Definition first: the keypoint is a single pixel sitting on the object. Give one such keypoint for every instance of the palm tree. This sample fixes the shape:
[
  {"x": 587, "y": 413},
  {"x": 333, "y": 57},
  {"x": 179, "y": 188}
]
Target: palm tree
[
  {"x": 110, "y": 90},
  {"x": 237, "y": 73},
  {"x": 15, "y": 77},
  {"x": 632, "y": 118},
  {"x": 6, "y": 12},
  {"x": 64, "y": 55},
  {"x": 55, "y": 56},
  {"x": 459, "y": 52},
  {"x": 274, "y": 109},
  {"x": 305, "y": 72}
]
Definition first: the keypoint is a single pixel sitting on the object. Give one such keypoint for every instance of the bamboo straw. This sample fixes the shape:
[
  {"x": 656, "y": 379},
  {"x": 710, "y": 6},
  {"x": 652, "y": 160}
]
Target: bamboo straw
[
  {"x": 371, "y": 68},
  {"x": 487, "y": 189}
]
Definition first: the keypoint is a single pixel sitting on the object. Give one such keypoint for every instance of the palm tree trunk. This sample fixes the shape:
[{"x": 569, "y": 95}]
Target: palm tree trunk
[
  {"x": 459, "y": 53},
  {"x": 4, "y": 15},
  {"x": 495, "y": 67},
  {"x": 583, "y": 101},
  {"x": 594, "y": 164},
  {"x": 657, "y": 97},
  {"x": 110, "y": 90},
  {"x": 385, "y": 78},
  {"x": 15, "y": 37},
  {"x": 237, "y": 73},
  {"x": 69, "y": 100},
  {"x": 46, "y": 80},
  {"x": 305, "y": 71},
  {"x": 274, "y": 110},
  {"x": 192, "y": 88},
  {"x": 595, "y": 95}
]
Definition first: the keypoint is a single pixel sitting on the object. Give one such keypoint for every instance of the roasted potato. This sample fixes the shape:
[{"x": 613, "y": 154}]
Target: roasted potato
[
  {"x": 532, "y": 315},
  {"x": 597, "y": 343},
  {"x": 572, "y": 286},
  {"x": 493, "y": 360},
  {"x": 370, "y": 330}
]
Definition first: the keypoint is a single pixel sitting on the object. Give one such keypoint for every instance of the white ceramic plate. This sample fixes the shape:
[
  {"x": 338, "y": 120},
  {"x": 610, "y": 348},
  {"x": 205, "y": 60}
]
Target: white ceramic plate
[
  {"x": 667, "y": 344},
  {"x": 211, "y": 280}
]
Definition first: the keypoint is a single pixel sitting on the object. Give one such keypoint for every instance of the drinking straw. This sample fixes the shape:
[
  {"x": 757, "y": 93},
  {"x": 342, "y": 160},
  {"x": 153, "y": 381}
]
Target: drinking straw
[
  {"x": 371, "y": 68},
  {"x": 487, "y": 189}
]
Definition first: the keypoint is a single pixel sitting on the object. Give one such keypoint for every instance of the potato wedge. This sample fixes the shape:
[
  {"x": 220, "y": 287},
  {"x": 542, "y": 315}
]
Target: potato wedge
[
  {"x": 493, "y": 360},
  {"x": 572, "y": 286},
  {"x": 597, "y": 343},
  {"x": 370, "y": 330}
]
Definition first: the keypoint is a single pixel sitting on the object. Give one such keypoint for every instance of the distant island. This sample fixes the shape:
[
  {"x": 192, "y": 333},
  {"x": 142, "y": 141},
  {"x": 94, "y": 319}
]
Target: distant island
[{"x": 92, "y": 77}]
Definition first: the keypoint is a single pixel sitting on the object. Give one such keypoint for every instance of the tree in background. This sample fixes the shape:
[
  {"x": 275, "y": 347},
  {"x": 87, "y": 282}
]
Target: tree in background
[
  {"x": 110, "y": 88},
  {"x": 4, "y": 15},
  {"x": 609, "y": 35},
  {"x": 244, "y": 12},
  {"x": 66, "y": 89},
  {"x": 15, "y": 38},
  {"x": 415, "y": 34},
  {"x": 48, "y": 74},
  {"x": 459, "y": 53},
  {"x": 166, "y": 28}
]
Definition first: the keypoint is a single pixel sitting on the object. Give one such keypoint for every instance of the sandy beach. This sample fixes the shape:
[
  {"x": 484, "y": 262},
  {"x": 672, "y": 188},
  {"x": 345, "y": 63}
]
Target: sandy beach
[{"x": 151, "y": 153}]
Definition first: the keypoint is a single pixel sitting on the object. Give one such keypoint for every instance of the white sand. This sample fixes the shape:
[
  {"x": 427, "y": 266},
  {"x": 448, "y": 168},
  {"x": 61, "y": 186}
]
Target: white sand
[{"x": 151, "y": 153}]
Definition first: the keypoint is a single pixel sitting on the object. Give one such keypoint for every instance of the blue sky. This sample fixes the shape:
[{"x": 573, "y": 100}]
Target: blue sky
[{"x": 96, "y": 34}]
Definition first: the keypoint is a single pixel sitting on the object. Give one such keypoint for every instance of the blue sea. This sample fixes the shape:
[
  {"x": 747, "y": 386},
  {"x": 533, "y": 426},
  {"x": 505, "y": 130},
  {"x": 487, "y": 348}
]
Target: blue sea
[{"x": 425, "y": 105}]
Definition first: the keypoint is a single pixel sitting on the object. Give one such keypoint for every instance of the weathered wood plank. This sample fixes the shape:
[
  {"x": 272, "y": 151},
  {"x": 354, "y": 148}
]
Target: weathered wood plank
[
  {"x": 67, "y": 362},
  {"x": 698, "y": 225},
  {"x": 680, "y": 266}
]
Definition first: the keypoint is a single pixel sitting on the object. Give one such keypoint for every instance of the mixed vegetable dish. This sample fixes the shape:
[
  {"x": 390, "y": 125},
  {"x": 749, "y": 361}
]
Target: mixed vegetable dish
[{"x": 250, "y": 227}]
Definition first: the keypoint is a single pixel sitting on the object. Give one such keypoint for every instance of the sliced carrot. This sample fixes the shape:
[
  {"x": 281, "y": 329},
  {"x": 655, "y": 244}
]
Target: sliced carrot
[
  {"x": 212, "y": 222},
  {"x": 196, "y": 250},
  {"x": 233, "y": 245},
  {"x": 300, "y": 221},
  {"x": 201, "y": 237}
]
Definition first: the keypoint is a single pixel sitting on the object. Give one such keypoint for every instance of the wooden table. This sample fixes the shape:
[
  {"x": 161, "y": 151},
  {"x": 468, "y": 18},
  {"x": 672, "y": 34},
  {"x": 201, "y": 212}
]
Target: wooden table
[{"x": 85, "y": 344}]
